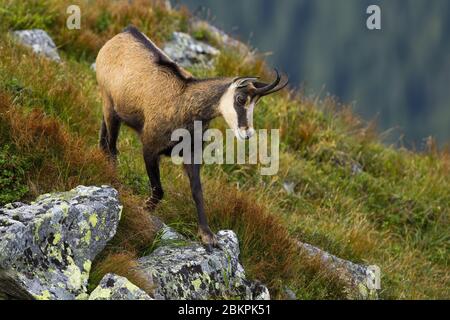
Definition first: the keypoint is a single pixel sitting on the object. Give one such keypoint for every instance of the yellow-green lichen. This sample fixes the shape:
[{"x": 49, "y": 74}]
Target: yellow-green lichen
[
  {"x": 87, "y": 237},
  {"x": 84, "y": 227},
  {"x": 55, "y": 253},
  {"x": 82, "y": 296},
  {"x": 93, "y": 220},
  {"x": 57, "y": 238},
  {"x": 37, "y": 226},
  {"x": 120, "y": 212},
  {"x": 45, "y": 295},
  {"x": 73, "y": 274},
  {"x": 65, "y": 209},
  {"x": 196, "y": 283},
  {"x": 100, "y": 294},
  {"x": 87, "y": 265},
  {"x": 131, "y": 286}
]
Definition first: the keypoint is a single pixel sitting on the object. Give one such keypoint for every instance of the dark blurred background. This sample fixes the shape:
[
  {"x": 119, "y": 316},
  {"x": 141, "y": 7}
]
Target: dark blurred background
[{"x": 399, "y": 75}]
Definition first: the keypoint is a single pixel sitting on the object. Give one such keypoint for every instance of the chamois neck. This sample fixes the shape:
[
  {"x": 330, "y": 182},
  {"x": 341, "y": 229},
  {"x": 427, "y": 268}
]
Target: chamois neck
[{"x": 204, "y": 96}]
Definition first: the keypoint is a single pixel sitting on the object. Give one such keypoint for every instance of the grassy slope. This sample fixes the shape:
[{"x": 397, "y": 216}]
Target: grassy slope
[{"x": 394, "y": 214}]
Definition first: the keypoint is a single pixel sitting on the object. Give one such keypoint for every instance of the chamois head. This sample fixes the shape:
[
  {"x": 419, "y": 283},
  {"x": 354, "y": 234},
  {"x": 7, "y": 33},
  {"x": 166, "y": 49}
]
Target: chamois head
[{"x": 238, "y": 102}]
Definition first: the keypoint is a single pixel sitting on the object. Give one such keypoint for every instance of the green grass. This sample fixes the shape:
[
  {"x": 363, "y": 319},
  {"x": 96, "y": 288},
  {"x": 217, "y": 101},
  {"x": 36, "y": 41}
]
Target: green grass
[
  {"x": 12, "y": 176},
  {"x": 393, "y": 212}
]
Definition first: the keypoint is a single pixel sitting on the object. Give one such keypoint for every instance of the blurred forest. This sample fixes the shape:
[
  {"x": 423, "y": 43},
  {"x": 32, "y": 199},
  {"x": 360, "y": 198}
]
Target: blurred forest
[{"x": 399, "y": 75}]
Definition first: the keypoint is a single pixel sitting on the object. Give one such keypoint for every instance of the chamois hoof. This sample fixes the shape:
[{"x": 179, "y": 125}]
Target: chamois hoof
[
  {"x": 150, "y": 204},
  {"x": 208, "y": 238}
]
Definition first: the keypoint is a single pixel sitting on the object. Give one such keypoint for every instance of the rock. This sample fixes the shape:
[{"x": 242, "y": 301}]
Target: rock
[
  {"x": 39, "y": 41},
  {"x": 114, "y": 287},
  {"x": 189, "y": 272},
  {"x": 289, "y": 187},
  {"x": 46, "y": 248},
  {"x": 166, "y": 233},
  {"x": 169, "y": 234},
  {"x": 220, "y": 36},
  {"x": 356, "y": 169},
  {"x": 361, "y": 279},
  {"x": 290, "y": 295},
  {"x": 168, "y": 5},
  {"x": 187, "y": 52},
  {"x": 344, "y": 160}
]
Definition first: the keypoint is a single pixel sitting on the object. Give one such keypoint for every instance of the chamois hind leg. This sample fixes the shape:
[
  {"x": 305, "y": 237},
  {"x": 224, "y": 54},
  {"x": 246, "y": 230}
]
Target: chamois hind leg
[
  {"x": 152, "y": 166},
  {"x": 208, "y": 238},
  {"x": 103, "y": 137},
  {"x": 110, "y": 129}
]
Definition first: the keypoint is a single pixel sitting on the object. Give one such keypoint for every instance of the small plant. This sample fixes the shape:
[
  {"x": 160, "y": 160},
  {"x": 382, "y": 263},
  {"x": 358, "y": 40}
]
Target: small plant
[
  {"x": 103, "y": 22},
  {"x": 12, "y": 176}
]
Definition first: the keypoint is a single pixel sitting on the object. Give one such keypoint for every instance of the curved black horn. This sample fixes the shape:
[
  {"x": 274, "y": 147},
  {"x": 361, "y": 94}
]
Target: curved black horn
[
  {"x": 264, "y": 90},
  {"x": 278, "y": 88},
  {"x": 241, "y": 81}
]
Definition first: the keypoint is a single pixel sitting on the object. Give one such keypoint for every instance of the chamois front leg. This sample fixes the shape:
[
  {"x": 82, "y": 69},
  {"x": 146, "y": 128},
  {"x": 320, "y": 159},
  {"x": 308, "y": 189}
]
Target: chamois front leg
[
  {"x": 157, "y": 192},
  {"x": 208, "y": 238}
]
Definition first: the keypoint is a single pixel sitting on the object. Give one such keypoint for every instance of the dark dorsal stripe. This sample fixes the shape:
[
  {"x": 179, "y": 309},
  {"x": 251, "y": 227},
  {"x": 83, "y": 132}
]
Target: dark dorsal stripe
[{"x": 161, "y": 59}]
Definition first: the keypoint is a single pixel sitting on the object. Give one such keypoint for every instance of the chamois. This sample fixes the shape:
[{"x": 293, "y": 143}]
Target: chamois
[{"x": 143, "y": 88}]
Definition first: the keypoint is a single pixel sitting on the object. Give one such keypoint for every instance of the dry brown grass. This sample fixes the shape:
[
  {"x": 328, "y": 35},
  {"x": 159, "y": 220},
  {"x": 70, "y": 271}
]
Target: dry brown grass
[
  {"x": 135, "y": 234},
  {"x": 268, "y": 252},
  {"x": 103, "y": 19},
  {"x": 136, "y": 230},
  {"x": 123, "y": 264},
  {"x": 59, "y": 160}
]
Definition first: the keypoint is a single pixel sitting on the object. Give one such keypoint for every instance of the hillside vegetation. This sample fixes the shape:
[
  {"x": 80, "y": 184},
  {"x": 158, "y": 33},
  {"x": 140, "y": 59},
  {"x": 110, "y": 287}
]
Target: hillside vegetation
[
  {"x": 392, "y": 211},
  {"x": 405, "y": 65}
]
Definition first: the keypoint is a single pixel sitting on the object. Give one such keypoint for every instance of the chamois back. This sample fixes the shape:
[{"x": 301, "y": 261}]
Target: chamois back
[{"x": 138, "y": 77}]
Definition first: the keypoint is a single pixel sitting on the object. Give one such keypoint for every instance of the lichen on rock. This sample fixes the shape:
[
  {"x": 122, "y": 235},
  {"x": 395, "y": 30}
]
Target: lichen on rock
[
  {"x": 47, "y": 246},
  {"x": 114, "y": 287},
  {"x": 187, "y": 52},
  {"x": 190, "y": 272}
]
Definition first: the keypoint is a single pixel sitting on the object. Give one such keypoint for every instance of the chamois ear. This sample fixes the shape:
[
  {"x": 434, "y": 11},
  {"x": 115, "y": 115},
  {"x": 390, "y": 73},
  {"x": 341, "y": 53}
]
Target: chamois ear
[{"x": 243, "y": 81}]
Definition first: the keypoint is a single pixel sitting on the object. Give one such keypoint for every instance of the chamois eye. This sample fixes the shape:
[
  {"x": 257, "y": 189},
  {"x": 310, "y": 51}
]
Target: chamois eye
[{"x": 240, "y": 99}]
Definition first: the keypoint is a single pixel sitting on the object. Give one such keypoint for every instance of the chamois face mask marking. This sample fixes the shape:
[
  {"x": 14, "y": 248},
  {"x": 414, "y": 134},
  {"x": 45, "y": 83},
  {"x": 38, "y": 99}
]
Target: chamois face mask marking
[
  {"x": 230, "y": 114},
  {"x": 226, "y": 108}
]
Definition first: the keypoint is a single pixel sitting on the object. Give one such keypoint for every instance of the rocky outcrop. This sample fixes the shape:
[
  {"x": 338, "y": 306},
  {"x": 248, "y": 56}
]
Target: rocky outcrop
[
  {"x": 39, "y": 41},
  {"x": 114, "y": 287},
  {"x": 187, "y": 52},
  {"x": 361, "y": 280},
  {"x": 201, "y": 26},
  {"x": 46, "y": 247},
  {"x": 185, "y": 270}
]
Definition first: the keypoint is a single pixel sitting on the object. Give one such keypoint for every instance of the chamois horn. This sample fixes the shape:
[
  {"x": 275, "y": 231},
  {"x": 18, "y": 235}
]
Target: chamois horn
[
  {"x": 242, "y": 81},
  {"x": 272, "y": 87}
]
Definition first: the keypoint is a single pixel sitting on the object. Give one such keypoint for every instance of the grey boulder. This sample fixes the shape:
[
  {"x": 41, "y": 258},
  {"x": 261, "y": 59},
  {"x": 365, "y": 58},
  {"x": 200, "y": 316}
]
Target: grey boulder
[
  {"x": 187, "y": 52},
  {"x": 362, "y": 282},
  {"x": 114, "y": 287},
  {"x": 39, "y": 41},
  {"x": 219, "y": 35},
  {"x": 46, "y": 248},
  {"x": 186, "y": 271}
]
